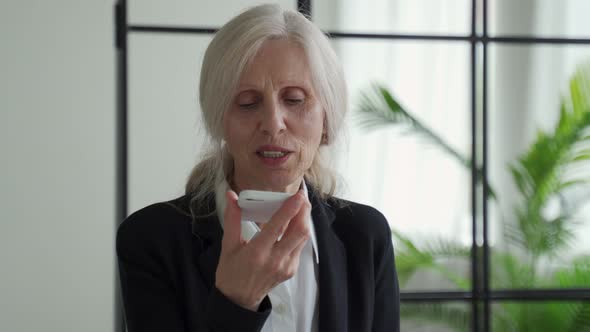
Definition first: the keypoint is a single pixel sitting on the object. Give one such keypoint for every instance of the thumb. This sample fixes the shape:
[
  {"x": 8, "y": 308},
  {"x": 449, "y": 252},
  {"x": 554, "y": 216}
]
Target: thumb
[{"x": 232, "y": 221}]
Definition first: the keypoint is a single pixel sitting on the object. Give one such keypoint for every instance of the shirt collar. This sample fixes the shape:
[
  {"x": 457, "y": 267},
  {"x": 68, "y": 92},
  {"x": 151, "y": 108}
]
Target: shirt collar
[{"x": 249, "y": 228}]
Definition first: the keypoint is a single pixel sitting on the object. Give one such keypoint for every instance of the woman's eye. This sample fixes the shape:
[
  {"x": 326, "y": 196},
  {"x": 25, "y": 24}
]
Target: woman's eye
[
  {"x": 294, "y": 101},
  {"x": 247, "y": 105}
]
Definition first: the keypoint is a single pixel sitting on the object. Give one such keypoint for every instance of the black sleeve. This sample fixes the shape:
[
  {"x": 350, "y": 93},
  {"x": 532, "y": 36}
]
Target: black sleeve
[
  {"x": 386, "y": 315},
  {"x": 224, "y": 315},
  {"x": 149, "y": 301},
  {"x": 152, "y": 303}
]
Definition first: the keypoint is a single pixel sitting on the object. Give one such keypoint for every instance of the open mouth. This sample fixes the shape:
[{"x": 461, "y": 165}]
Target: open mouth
[{"x": 273, "y": 154}]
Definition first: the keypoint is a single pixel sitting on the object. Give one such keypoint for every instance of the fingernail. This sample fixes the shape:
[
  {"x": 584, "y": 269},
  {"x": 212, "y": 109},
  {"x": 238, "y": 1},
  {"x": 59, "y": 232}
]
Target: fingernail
[{"x": 231, "y": 194}]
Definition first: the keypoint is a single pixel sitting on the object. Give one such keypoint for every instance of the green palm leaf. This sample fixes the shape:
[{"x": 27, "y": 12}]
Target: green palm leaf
[
  {"x": 555, "y": 162},
  {"x": 457, "y": 317},
  {"x": 378, "y": 108},
  {"x": 543, "y": 171},
  {"x": 411, "y": 258},
  {"x": 510, "y": 271},
  {"x": 576, "y": 275}
]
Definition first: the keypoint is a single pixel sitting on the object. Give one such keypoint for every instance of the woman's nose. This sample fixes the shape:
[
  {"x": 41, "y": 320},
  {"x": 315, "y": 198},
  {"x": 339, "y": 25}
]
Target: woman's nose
[{"x": 273, "y": 121}]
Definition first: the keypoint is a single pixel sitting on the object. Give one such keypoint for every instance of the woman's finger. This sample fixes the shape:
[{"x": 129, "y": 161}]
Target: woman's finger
[
  {"x": 279, "y": 221},
  {"x": 297, "y": 231},
  {"x": 294, "y": 258},
  {"x": 296, "y": 253}
]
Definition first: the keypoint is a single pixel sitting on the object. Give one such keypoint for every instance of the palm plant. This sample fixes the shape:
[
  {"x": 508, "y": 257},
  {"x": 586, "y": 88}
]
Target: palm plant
[{"x": 551, "y": 166}]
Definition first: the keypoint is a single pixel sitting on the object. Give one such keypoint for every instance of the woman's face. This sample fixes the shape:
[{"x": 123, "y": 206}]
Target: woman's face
[{"x": 274, "y": 125}]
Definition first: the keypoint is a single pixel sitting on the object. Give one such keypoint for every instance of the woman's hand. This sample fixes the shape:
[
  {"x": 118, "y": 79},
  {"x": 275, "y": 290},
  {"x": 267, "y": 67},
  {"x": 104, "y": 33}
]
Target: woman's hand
[{"x": 248, "y": 271}]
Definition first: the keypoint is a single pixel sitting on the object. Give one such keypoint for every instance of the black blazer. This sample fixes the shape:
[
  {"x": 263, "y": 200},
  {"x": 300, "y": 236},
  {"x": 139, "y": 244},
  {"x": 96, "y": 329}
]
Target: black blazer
[{"x": 167, "y": 268}]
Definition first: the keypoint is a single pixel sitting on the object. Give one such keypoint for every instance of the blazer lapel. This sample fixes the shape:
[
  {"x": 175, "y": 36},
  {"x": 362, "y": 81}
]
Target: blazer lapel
[
  {"x": 333, "y": 280},
  {"x": 208, "y": 230}
]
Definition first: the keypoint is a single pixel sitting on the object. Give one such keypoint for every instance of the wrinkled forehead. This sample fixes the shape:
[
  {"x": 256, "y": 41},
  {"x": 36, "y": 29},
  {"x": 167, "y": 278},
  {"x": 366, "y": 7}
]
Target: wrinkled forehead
[{"x": 279, "y": 61}]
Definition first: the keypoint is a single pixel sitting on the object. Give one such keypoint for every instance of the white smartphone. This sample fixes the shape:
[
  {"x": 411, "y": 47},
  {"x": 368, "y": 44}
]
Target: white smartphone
[{"x": 259, "y": 206}]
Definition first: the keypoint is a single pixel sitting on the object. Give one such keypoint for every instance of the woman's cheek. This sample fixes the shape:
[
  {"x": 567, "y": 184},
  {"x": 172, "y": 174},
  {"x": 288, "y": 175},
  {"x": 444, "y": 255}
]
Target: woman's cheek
[{"x": 307, "y": 157}]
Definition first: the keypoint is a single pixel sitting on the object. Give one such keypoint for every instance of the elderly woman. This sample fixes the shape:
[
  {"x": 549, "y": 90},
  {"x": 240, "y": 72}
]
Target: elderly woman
[{"x": 273, "y": 99}]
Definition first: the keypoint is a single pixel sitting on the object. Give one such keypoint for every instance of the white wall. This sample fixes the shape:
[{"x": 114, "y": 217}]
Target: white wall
[
  {"x": 57, "y": 127},
  {"x": 57, "y": 98}
]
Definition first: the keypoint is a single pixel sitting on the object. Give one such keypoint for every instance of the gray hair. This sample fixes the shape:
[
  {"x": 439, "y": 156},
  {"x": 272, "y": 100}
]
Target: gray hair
[{"x": 232, "y": 48}]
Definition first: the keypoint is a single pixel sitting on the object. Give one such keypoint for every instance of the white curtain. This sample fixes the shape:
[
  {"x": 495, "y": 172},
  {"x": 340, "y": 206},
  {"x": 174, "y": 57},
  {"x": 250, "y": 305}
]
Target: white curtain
[{"x": 419, "y": 189}]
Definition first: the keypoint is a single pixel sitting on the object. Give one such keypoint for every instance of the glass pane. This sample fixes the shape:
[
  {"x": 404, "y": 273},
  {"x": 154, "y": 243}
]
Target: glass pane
[
  {"x": 192, "y": 12},
  {"x": 543, "y": 18},
  {"x": 163, "y": 114},
  {"x": 544, "y": 316},
  {"x": 413, "y": 179},
  {"x": 394, "y": 16},
  {"x": 541, "y": 220},
  {"x": 435, "y": 317}
]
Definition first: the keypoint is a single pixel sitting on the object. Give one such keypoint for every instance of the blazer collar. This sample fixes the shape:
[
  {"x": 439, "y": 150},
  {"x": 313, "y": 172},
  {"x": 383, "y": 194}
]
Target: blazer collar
[
  {"x": 333, "y": 272},
  {"x": 332, "y": 279},
  {"x": 207, "y": 229},
  {"x": 206, "y": 226}
]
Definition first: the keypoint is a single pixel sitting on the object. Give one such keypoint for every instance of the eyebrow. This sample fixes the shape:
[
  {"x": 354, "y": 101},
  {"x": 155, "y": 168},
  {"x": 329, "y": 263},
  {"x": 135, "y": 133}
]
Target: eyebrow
[
  {"x": 250, "y": 88},
  {"x": 286, "y": 83},
  {"x": 247, "y": 86}
]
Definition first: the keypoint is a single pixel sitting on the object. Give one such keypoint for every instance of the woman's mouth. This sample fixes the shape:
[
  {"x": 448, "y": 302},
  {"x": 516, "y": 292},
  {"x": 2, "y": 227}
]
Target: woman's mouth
[{"x": 273, "y": 156}]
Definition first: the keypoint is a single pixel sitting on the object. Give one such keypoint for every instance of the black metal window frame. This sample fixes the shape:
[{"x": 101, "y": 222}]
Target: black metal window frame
[{"x": 481, "y": 296}]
